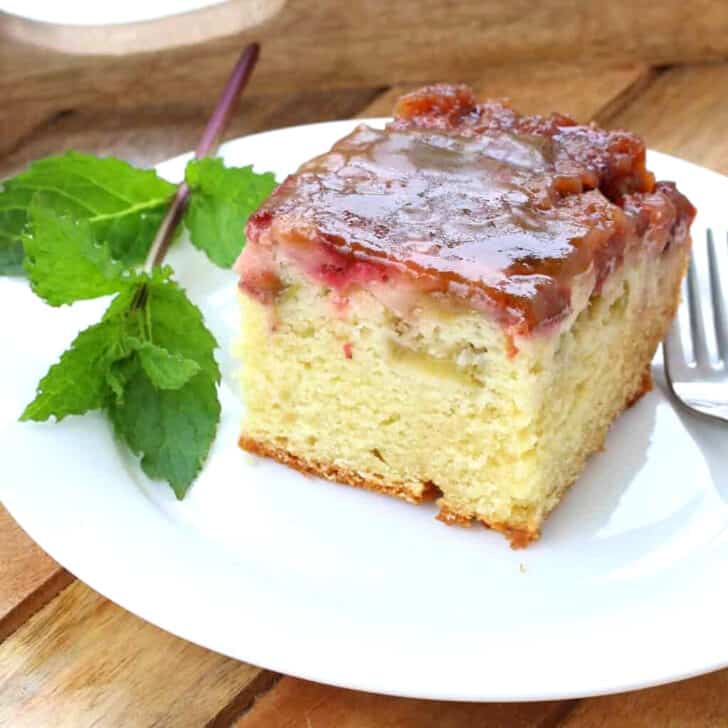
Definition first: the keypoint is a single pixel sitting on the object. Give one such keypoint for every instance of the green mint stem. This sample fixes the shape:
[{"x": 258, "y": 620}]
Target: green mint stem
[{"x": 208, "y": 144}]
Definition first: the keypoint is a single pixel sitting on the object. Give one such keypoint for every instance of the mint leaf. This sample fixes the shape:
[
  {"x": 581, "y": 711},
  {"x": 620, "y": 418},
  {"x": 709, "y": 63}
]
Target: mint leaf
[
  {"x": 77, "y": 223},
  {"x": 64, "y": 261},
  {"x": 222, "y": 199},
  {"x": 123, "y": 205},
  {"x": 150, "y": 364},
  {"x": 171, "y": 428},
  {"x": 118, "y": 375},
  {"x": 77, "y": 383},
  {"x": 176, "y": 324},
  {"x": 164, "y": 370}
]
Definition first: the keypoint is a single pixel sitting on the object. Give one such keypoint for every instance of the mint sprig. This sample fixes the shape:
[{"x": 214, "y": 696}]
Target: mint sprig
[
  {"x": 122, "y": 205},
  {"x": 151, "y": 368},
  {"x": 64, "y": 259},
  {"x": 79, "y": 225},
  {"x": 78, "y": 382},
  {"x": 222, "y": 198}
]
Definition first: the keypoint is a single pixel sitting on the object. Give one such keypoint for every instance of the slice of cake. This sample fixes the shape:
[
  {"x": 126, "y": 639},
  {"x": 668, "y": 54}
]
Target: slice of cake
[{"x": 458, "y": 306}]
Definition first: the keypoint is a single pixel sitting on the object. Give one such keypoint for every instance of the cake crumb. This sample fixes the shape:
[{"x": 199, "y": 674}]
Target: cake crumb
[{"x": 522, "y": 568}]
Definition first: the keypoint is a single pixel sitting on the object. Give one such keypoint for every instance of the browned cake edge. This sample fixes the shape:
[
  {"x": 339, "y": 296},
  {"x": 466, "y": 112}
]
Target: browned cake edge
[
  {"x": 336, "y": 474},
  {"x": 518, "y": 538}
]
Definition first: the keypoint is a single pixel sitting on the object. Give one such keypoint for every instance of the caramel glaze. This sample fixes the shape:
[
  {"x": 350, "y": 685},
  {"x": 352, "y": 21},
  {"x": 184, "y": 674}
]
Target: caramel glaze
[{"x": 475, "y": 201}]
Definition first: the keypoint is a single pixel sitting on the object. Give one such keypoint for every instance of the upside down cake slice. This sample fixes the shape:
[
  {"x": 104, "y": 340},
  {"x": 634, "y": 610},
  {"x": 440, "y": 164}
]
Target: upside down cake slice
[{"x": 458, "y": 305}]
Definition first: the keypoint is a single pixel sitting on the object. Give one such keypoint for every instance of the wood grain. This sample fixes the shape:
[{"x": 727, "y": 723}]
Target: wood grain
[
  {"x": 28, "y": 577},
  {"x": 684, "y": 112},
  {"x": 328, "y": 43},
  {"x": 373, "y": 42},
  {"x": 297, "y": 703},
  {"x": 151, "y": 133},
  {"x": 698, "y": 703},
  {"x": 83, "y": 661}
]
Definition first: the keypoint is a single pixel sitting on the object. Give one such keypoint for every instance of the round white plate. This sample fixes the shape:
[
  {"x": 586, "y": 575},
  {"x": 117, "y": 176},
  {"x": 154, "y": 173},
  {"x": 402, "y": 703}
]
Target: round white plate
[{"x": 627, "y": 587}]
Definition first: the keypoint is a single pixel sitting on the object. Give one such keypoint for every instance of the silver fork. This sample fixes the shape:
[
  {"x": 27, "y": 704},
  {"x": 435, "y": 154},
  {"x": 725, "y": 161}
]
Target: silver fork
[{"x": 696, "y": 349}]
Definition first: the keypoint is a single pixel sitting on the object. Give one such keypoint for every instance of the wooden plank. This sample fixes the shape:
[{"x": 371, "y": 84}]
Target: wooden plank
[
  {"x": 697, "y": 703},
  {"x": 328, "y": 43},
  {"x": 297, "y": 703},
  {"x": 375, "y": 42},
  {"x": 29, "y": 578},
  {"x": 83, "y": 661},
  {"x": 581, "y": 93},
  {"x": 150, "y": 134},
  {"x": 683, "y": 112}
]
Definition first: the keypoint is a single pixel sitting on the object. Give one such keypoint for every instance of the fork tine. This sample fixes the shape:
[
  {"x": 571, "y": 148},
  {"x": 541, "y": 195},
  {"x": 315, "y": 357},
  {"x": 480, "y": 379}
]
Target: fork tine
[
  {"x": 697, "y": 329},
  {"x": 673, "y": 353},
  {"x": 718, "y": 266}
]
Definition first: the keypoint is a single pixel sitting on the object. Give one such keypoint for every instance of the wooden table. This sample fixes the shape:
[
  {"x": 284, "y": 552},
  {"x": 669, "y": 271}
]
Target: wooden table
[{"x": 69, "y": 657}]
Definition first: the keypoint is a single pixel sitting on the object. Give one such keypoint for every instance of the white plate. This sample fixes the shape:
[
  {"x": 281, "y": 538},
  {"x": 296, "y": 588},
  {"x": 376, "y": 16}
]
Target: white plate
[{"x": 628, "y": 586}]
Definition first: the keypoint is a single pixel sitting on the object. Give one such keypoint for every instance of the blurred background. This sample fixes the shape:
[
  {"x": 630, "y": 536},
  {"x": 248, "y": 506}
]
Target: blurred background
[{"x": 137, "y": 79}]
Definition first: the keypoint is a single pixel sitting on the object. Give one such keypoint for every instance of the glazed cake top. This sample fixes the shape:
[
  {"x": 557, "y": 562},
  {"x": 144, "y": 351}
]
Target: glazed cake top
[{"x": 499, "y": 209}]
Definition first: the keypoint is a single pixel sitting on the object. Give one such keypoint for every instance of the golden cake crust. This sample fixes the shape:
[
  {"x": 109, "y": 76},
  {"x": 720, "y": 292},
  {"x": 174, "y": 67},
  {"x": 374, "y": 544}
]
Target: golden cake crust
[
  {"x": 336, "y": 474},
  {"x": 517, "y": 537}
]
